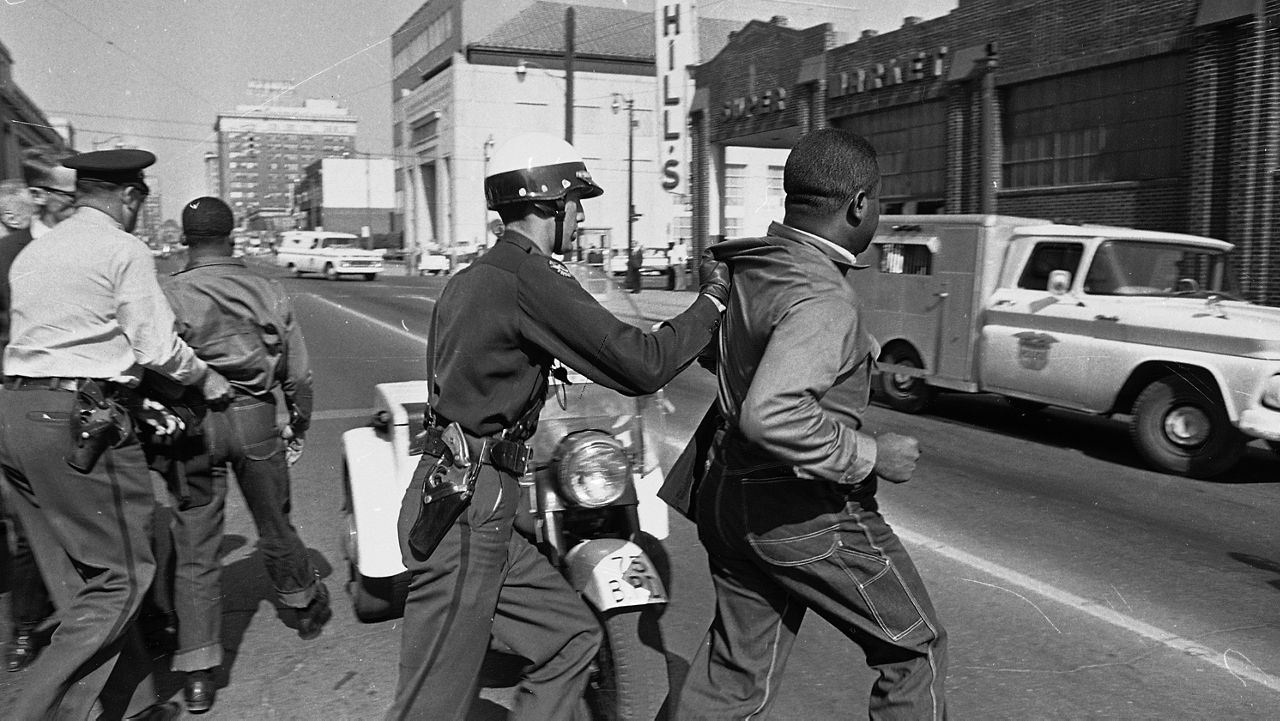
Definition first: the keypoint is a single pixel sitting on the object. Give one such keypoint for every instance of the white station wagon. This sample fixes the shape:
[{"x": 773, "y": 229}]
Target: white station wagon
[{"x": 332, "y": 254}]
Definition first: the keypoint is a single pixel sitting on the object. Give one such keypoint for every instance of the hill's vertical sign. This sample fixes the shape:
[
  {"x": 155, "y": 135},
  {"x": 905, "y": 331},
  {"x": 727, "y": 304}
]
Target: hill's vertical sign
[{"x": 677, "y": 49}]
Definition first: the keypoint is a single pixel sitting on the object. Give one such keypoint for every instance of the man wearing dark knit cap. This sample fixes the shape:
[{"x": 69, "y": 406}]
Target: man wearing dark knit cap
[
  {"x": 243, "y": 325},
  {"x": 87, "y": 318}
]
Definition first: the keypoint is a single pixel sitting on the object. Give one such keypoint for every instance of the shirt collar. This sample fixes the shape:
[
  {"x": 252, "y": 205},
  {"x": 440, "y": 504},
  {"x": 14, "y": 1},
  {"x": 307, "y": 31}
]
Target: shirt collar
[
  {"x": 206, "y": 262},
  {"x": 97, "y": 217},
  {"x": 839, "y": 255},
  {"x": 518, "y": 240}
]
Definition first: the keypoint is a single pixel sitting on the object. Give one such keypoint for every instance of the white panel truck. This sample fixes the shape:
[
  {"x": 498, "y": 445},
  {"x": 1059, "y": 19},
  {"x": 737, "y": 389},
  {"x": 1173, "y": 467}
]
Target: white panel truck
[{"x": 1091, "y": 318}]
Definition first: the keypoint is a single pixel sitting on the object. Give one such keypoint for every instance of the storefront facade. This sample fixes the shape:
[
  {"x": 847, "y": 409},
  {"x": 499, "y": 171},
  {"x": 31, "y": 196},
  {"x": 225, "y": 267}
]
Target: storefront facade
[{"x": 1162, "y": 115}]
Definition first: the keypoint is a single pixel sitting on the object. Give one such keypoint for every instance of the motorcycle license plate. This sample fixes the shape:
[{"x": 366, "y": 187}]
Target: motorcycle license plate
[{"x": 622, "y": 576}]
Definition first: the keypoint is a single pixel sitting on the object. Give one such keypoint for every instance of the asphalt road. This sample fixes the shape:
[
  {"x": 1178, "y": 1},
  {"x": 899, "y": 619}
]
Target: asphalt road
[{"x": 1074, "y": 583}]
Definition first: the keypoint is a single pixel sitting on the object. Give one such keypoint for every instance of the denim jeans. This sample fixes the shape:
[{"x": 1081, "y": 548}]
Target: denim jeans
[
  {"x": 244, "y": 437},
  {"x": 779, "y": 545}
]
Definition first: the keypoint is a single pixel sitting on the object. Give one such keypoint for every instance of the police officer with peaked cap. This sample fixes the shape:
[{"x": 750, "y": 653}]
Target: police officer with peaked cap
[
  {"x": 88, "y": 312},
  {"x": 496, "y": 330}
]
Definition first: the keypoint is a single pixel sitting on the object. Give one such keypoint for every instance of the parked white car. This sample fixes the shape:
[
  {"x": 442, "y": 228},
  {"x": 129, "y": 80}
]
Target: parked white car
[
  {"x": 333, "y": 254},
  {"x": 433, "y": 264}
]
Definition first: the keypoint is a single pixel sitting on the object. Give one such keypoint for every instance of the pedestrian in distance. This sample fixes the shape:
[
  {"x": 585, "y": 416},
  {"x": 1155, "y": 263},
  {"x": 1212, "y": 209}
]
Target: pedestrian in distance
[
  {"x": 242, "y": 324},
  {"x": 29, "y": 603},
  {"x": 52, "y": 184},
  {"x": 496, "y": 331},
  {"x": 88, "y": 316},
  {"x": 787, "y": 509}
]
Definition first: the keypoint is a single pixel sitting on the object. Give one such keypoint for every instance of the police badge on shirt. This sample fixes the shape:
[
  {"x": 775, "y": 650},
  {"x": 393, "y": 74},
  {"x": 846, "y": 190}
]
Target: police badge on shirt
[{"x": 559, "y": 268}]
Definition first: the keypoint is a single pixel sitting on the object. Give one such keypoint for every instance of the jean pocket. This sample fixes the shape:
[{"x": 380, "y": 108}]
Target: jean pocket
[
  {"x": 883, "y": 591},
  {"x": 255, "y": 430},
  {"x": 796, "y": 550}
]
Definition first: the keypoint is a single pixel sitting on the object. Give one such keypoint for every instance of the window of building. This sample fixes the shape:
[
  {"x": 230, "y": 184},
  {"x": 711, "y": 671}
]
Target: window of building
[
  {"x": 424, "y": 130},
  {"x": 905, "y": 259},
  {"x": 1118, "y": 123},
  {"x": 682, "y": 227},
  {"x": 773, "y": 184},
  {"x": 735, "y": 184},
  {"x": 733, "y": 227},
  {"x": 911, "y": 145},
  {"x": 1047, "y": 257}
]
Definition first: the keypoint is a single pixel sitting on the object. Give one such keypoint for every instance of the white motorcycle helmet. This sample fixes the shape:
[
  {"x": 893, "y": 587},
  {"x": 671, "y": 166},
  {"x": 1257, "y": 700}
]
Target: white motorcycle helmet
[{"x": 538, "y": 168}]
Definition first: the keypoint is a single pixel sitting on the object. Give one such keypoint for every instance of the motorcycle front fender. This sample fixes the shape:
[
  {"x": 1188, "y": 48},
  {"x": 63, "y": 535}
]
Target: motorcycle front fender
[{"x": 612, "y": 573}]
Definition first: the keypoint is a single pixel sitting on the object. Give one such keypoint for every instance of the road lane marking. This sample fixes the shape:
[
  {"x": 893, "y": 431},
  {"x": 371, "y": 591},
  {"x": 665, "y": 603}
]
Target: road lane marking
[
  {"x": 365, "y": 317},
  {"x": 1091, "y": 608}
]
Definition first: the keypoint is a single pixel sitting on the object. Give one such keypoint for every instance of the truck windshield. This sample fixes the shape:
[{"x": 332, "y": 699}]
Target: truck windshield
[{"x": 1154, "y": 269}]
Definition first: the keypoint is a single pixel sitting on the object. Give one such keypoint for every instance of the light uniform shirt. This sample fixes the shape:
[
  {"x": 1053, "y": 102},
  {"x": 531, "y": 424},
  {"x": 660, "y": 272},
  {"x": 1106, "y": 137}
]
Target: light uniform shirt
[{"x": 86, "y": 304}]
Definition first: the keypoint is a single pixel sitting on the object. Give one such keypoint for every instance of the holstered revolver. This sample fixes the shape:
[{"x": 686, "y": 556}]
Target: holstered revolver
[
  {"x": 95, "y": 426},
  {"x": 446, "y": 490}
]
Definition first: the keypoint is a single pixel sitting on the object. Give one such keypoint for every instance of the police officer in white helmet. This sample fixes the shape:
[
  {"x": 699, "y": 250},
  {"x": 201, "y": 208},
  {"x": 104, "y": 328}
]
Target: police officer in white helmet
[{"x": 496, "y": 330}]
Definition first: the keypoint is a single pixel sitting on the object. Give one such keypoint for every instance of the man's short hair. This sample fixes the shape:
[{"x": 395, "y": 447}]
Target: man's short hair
[
  {"x": 38, "y": 160},
  {"x": 828, "y": 167}
]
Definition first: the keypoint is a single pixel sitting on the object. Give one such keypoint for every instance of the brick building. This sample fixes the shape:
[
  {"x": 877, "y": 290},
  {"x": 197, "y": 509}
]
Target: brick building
[
  {"x": 263, "y": 150},
  {"x": 22, "y": 123},
  {"x": 1162, "y": 114}
]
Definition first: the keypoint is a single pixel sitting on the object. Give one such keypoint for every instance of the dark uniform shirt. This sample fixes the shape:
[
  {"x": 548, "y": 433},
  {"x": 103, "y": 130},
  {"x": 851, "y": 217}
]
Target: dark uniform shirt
[
  {"x": 500, "y": 323},
  {"x": 242, "y": 324}
]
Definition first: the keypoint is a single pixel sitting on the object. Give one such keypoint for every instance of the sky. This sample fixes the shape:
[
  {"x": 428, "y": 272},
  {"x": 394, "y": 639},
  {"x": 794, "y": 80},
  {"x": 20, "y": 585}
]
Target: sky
[{"x": 154, "y": 73}]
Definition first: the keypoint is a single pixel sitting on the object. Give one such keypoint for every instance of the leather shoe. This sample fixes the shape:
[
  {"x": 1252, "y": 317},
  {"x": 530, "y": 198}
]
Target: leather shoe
[
  {"x": 22, "y": 650},
  {"x": 200, "y": 691},
  {"x": 311, "y": 620}
]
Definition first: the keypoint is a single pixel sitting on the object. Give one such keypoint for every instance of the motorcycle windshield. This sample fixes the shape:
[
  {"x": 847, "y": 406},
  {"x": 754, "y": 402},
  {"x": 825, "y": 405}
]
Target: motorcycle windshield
[{"x": 639, "y": 423}]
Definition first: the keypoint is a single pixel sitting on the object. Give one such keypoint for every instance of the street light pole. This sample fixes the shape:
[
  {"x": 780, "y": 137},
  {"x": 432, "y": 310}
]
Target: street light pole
[{"x": 633, "y": 271}]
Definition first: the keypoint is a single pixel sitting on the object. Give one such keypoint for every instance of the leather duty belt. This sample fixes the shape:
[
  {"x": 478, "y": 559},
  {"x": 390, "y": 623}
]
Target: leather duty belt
[{"x": 505, "y": 455}]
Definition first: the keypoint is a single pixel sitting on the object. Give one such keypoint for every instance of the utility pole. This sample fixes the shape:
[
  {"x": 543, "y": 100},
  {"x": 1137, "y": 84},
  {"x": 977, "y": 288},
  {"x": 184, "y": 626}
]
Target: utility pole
[
  {"x": 633, "y": 271},
  {"x": 568, "y": 73}
]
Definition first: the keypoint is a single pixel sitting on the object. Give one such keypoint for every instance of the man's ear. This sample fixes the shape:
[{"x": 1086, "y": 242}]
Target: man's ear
[
  {"x": 856, "y": 209},
  {"x": 133, "y": 195}
]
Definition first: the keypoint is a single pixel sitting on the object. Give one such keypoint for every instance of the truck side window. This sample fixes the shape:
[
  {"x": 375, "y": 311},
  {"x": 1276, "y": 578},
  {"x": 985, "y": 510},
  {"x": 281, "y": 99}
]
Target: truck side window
[
  {"x": 1046, "y": 258},
  {"x": 905, "y": 259}
]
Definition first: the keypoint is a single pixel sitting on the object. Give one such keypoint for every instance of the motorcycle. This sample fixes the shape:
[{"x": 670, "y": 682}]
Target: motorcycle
[{"x": 590, "y": 505}]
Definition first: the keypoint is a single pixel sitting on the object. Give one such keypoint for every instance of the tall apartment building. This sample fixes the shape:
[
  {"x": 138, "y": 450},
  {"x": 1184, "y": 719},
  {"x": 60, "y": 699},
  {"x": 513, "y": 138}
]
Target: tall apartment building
[{"x": 263, "y": 150}]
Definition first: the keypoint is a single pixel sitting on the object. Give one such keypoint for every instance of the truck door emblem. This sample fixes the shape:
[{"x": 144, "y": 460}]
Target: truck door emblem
[{"x": 1033, "y": 349}]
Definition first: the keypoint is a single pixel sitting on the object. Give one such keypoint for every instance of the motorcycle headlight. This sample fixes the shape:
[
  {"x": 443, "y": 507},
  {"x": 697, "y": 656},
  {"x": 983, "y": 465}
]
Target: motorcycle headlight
[
  {"x": 1271, "y": 393},
  {"x": 592, "y": 468}
]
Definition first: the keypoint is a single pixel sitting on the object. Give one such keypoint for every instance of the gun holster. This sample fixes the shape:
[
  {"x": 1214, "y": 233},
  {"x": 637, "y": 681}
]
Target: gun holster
[
  {"x": 447, "y": 487},
  {"x": 97, "y": 423}
]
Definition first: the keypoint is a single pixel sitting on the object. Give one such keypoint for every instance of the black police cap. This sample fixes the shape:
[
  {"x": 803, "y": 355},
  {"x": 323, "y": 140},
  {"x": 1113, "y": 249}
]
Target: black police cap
[
  {"x": 120, "y": 166},
  {"x": 207, "y": 217}
]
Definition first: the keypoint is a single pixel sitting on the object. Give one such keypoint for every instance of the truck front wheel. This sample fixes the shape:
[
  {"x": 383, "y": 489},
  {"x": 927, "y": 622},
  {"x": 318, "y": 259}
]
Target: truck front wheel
[
  {"x": 909, "y": 394},
  {"x": 1180, "y": 428}
]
